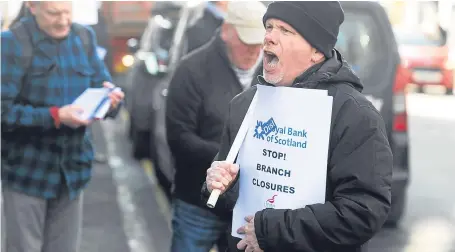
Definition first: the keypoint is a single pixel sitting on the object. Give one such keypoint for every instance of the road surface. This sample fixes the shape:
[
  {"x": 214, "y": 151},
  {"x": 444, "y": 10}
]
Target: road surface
[{"x": 429, "y": 222}]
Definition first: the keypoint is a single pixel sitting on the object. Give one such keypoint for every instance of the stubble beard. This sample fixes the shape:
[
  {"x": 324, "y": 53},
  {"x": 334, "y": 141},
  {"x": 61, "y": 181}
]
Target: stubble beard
[{"x": 272, "y": 80}]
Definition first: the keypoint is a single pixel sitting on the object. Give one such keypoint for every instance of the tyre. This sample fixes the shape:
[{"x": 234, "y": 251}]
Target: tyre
[
  {"x": 164, "y": 183},
  {"x": 130, "y": 130},
  {"x": 398, "y": 208},
  {"x": 162, "y": 180},
  {"x": 141, "y": 145}
]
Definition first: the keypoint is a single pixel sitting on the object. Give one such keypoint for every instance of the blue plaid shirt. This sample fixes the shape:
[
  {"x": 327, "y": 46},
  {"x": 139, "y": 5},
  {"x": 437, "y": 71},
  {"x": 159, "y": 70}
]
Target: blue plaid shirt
[{"x": 37, "y": 158}]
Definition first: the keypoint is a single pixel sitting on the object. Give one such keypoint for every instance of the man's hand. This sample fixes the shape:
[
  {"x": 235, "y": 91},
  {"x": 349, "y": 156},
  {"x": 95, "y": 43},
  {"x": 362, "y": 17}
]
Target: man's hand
[
  {"x": 68, "y": 116},
  {"x": 220, "y": 175},
  {"x": 115, "y": 96},
  {"x": 249, "y": 243}
]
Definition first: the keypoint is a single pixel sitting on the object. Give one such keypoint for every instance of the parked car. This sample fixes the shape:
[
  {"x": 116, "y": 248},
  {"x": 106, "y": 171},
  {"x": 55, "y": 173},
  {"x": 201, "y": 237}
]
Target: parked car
[
  {"x": 426, "y": 54},
  {"x": 160, "y": 153},
  {"x": 367, "y": 41},
  {"x": 151, "y": 56}
]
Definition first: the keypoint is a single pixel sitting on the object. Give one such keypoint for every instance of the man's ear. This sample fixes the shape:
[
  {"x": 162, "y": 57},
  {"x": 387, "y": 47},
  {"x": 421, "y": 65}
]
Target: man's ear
[
  {"x": 317, "y": 56},
  {"x": 222, "y": 5},
  {"x": 32, "y": 6},
  {"x": 225, "y": 32}
]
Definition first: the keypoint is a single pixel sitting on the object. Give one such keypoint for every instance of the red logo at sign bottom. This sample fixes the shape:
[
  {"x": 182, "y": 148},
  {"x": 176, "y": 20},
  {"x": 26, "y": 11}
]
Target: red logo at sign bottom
[{"x": 270, "y": 202}]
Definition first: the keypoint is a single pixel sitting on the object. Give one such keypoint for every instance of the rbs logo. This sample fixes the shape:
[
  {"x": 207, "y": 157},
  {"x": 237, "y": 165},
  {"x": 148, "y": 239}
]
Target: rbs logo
[
  {"x": 263, "y": 129},
  {"x": 285, "y": 135}
]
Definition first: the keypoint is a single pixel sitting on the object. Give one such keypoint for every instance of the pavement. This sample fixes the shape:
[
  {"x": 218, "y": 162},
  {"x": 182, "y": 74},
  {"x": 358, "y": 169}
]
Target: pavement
[{"x": 124, "y": 208}]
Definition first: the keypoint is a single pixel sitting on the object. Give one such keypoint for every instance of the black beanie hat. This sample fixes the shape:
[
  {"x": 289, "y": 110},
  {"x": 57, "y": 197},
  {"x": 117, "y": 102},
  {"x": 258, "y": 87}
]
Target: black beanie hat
[{"x": 317, "y": 21}]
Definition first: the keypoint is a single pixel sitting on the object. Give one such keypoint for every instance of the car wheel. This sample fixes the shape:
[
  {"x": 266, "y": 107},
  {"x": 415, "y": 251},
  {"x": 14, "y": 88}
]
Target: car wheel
[
  {"x": 162, "y": 180},
  {"x": 164, "y": 183},
  {"x": 153, "y": 151},
  {"x": 398, "y": 208},
  {"x": 140, "y": 144},
  {"x": 131, "y": 130},
  {"x": 450, "y": 91}
]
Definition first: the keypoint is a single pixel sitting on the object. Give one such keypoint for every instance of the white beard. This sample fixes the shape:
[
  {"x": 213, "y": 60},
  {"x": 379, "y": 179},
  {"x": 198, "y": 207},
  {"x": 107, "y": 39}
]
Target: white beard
[{"x": 272, "y": 80}]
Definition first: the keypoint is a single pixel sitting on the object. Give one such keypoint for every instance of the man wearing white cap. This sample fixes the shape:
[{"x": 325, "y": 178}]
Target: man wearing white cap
[{"x": 197, "y": 104}]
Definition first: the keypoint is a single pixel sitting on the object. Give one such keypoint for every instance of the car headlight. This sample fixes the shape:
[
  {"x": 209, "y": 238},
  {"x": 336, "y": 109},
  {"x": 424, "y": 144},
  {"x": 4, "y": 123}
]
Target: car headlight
[{"x": 128, "y": 60}]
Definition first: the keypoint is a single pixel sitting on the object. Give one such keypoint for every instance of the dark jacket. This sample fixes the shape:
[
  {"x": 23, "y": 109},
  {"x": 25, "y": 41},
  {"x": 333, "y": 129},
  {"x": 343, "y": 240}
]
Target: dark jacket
[
  {"x": 197, "y": 105},
  {"x": 359, "y": 172}
]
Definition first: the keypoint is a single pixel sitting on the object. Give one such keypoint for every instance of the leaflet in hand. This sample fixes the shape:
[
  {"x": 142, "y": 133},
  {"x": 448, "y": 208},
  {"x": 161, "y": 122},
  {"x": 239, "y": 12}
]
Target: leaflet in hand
[{"x": 94, "y": 102}]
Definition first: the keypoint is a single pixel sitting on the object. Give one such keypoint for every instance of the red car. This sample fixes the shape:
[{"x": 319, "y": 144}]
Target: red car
[{"x": 427, "y": 57}]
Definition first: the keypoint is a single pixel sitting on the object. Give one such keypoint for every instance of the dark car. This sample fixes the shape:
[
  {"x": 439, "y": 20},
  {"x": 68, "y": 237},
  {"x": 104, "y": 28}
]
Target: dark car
[
  {"x": 151, "y": 57},
  {"x": 160, "y": 153},
  {"x": 367, "y": 41}
]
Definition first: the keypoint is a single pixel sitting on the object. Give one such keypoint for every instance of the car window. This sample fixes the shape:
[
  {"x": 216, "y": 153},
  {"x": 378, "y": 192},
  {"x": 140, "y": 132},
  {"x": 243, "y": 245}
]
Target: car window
[
  {"x": 158, "y": 35},
  {"x": 163, "y": 40},
  {"x": 359, "y": 43}
]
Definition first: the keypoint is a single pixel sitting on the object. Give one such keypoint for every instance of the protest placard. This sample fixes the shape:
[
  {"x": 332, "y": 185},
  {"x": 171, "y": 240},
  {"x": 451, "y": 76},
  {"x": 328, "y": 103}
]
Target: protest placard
[{"x": 283, "y": 158}]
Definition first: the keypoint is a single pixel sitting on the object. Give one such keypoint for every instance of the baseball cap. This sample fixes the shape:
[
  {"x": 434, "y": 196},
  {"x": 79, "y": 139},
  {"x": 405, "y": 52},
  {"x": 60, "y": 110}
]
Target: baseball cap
[{"x": 246, "y": 17}]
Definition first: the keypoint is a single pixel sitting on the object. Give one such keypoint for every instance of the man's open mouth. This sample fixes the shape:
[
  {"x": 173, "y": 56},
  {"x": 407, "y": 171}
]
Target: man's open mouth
[{"x": 271, "y": 59}]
